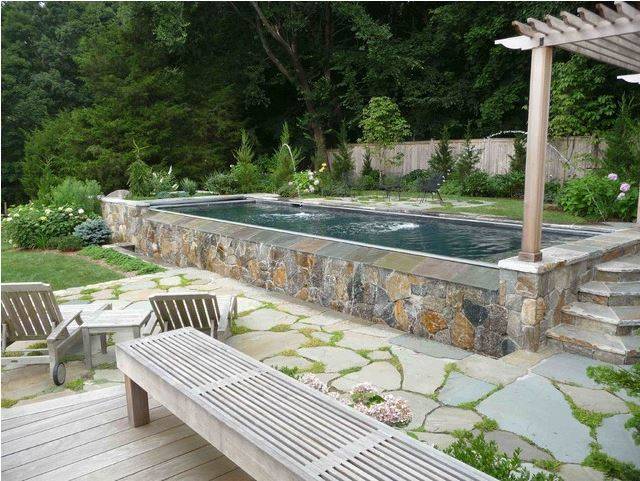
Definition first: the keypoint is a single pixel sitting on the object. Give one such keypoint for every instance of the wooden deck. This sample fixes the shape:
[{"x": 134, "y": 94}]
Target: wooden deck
[{"x": 87, "y": 436}]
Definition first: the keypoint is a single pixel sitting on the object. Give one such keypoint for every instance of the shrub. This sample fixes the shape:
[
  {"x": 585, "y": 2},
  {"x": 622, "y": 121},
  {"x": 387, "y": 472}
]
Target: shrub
[
  {"x": 336, "y": 189},
  {"x": 139, "y": 178},
  {"x": 476, "y": 183},
  {"x": 622, "y": 154},
  {"x": 221, "y": 183},
  {"x": 288, "y": 191},
  {"x": 121, "y": 261},
  {"x": 285, "y": 159},
  {"x": 93, "y": 232},
  {"x": 67, "y": 243},
  {"x": 509, "y": 185},
  {"x": 342, "y": 165},
  {"x": 599, "y": 197},
  {"x": 79, "y": 193},
  {"x": 189, "y": 186},
  {"x": 466, "y": 160},
  {"x": 551, "y": 191},
  {"x": 31, "y": 226},
  {"x": 162, "y": 182},
  {"x": 487, "y": 457},
  {"x": 518, "y": 160},
  {"x": 246, "y": 174},
  {"x": 442, "y": 160}
]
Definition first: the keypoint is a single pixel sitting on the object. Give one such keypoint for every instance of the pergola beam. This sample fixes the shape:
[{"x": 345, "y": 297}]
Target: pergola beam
[{"x": 609, "y": 36}]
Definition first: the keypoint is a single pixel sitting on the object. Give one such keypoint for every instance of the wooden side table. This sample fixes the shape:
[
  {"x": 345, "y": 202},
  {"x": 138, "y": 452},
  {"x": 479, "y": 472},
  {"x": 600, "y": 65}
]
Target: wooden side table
[{"x": 107, "y": 322}]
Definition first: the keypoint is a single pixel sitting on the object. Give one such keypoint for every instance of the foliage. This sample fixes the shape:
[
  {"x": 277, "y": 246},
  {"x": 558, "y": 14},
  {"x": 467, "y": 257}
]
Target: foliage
[
  {"x": 616, "y": 379},
  {"x": 518, "y": 160},
  {"x": 306, "y": 181},
  {"x": 121, "y": 261},
  {"x": 221, "y": 183},
  {"x": 246, "y": 174},
  {"x": 476, "y": 183},
  {"x": 622, "y": 154},
  {"x": 189, "y": 186},
  {"x": 79, "y": 193},
  {"x": 466, "y": 160},
  {"x": 613, "y": 468},
  {"x": 342, "y": 165},
  {"x": 509, "y": 185},
  {"x": 162, "y": 182},
  {"x": 383, "y": 126},
  {"x": 31, "y": 225},
  {"x": 59, "y": 270},
  {"x": 93, "y": 232},
  {"x": 487, "y": 457},
  {"x": 598, "y": 197},
  {"x": 285, "y": 159},
  {"x": 67, "y": 243},
  {"x": 552, "y": 190},
  {"x": 139, "y": 178},
  {"x": 580, "y": 102},
  {"x": 442, "y": 161}
]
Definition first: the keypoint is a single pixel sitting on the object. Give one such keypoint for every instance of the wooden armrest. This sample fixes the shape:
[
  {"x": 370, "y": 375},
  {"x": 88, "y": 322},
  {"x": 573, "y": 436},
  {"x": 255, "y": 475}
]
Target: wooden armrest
[{"x": 60, "y": 328}]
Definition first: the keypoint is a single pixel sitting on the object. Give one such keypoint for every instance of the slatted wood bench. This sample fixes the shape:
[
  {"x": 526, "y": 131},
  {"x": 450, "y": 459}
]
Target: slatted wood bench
[{"x": 270, "y": 425}]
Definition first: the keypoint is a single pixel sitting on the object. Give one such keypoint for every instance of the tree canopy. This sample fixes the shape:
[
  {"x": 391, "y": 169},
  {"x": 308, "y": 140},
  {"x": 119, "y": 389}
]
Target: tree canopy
[{"x": 83, "y": 83}]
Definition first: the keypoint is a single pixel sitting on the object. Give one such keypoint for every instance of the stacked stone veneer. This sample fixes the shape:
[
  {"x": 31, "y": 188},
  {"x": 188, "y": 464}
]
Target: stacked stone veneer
[
  {"x": 535, "y": 293},
  {"x": 405, "y": 291},
  {"x": 473, "y": 307}
]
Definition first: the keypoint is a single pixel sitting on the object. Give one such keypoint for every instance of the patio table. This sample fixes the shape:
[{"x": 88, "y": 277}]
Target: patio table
[{"x": 107, "y": 322}]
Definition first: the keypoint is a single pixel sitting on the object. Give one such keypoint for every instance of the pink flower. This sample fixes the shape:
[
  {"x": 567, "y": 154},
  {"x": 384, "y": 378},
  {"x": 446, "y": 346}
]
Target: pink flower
[
  {"x": 612, "y": 176},
  {"x": 624, "y": 187}
]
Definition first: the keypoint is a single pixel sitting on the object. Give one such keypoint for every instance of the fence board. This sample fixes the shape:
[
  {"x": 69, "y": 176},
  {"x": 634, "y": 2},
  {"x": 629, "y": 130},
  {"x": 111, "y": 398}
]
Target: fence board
[{"x": 564, "y": 156}]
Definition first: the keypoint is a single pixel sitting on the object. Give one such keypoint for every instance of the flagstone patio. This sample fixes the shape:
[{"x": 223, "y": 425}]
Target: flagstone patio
[{"x": 527, "y": 394}]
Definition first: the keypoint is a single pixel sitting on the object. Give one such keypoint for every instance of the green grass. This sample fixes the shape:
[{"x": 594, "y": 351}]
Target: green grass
[
  {"x": 486, "y": 425},
  {"x": 8, "y": 403},
  {"x": 38, "y": 345},
  {"x": 59, "y": 270},
  {"x": 75, "y": 385},
  {"x": 509, "y": 208},
  {"x": 121, "y": 261}
]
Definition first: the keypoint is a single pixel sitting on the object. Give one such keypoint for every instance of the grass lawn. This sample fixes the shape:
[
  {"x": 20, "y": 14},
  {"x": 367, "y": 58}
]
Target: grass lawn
[
  {"x": 509, "y": 208},
  {"x": 60, "y": 270}
]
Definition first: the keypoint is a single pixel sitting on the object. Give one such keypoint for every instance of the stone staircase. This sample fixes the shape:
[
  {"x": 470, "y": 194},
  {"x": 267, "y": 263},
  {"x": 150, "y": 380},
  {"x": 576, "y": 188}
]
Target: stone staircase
[{"x": 604, "y": 321}]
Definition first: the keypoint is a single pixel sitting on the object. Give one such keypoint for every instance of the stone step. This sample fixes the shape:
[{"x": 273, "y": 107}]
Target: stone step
[
  {"x": 597, "y": 345},
  {"x": 623, "y": 269},
  {"x": 611, "y": 293},
  {"x": 616, "y": 320}
]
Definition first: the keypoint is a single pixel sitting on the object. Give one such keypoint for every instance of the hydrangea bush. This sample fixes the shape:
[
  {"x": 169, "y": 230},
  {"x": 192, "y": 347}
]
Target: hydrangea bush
[
  {"x": 31, "y": 226},
  {"x": 369, "y": 400},
  {"x": 307, "y": 181}
]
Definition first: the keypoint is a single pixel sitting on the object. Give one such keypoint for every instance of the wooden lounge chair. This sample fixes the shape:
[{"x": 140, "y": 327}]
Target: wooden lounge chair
[
  {"x": 270, "y": 425},
  {"x": 30, "y": 312},
  {"x": 204, "y": 312}
]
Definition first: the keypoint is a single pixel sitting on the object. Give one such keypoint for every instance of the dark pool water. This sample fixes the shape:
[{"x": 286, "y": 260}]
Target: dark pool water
[{"x": 468, "y": 240}]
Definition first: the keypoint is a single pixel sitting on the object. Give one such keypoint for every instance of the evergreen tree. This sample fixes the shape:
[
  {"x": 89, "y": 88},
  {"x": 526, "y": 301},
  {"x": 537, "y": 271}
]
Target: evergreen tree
[
  {"x": 519, "y": 158},
  {"x": 467, "y": 159},
  {"x": 442, "y": 161},
  {"x": 342, "y": 166}
]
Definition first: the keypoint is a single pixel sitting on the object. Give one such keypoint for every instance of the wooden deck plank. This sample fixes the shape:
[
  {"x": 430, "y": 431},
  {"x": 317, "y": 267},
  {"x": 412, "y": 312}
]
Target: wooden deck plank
[
  {"x": 102, "y": 444},
  {"x": 178, "y": 465},
  {"x": 44, "y": 457},
  {"x": 213, "y": 469},
  {"x": 148, "y": 459}
]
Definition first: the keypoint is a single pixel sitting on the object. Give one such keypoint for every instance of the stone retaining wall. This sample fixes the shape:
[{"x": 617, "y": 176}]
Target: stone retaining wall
[{"x": 366, "y": 282}]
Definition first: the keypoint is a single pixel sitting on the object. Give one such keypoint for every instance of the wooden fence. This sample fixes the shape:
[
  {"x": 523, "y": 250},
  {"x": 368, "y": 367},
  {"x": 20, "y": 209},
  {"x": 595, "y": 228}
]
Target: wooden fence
[{"x": 565, "y": 156}]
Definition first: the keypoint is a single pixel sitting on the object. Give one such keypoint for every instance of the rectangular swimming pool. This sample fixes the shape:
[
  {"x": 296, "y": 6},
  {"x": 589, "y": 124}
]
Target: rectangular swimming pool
[{"x": 466, "y": 239}]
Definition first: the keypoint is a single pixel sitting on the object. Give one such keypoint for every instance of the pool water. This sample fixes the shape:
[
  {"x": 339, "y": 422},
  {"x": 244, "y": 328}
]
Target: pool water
[{"x": 478, "y": 241}]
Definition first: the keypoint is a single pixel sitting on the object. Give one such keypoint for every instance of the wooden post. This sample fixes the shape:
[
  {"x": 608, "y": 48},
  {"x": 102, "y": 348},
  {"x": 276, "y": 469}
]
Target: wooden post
[
  {"x": 638, "y": 213},
  {"x": 137, "y": 403},
  {"x": 539, "y": 96}
]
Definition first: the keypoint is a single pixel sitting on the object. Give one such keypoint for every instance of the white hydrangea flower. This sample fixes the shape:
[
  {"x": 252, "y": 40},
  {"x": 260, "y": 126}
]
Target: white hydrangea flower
[
  {"x": 316, "y": 182},
  {"x": 80, "y": 211},
  {"x": 68, "y": 209}
]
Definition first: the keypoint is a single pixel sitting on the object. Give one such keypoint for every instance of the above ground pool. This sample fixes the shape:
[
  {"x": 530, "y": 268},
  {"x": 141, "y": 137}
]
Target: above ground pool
[{"x": 466, "y": 239}]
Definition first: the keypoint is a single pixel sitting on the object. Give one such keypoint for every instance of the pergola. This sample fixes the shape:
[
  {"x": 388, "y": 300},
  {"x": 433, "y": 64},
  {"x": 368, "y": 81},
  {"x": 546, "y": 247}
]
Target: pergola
[{"x": 609, "y": 36}]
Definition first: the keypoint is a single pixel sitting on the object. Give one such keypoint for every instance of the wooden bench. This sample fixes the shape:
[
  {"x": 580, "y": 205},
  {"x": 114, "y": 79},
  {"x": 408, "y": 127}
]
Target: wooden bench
[{"x": 273, "y": 427}]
